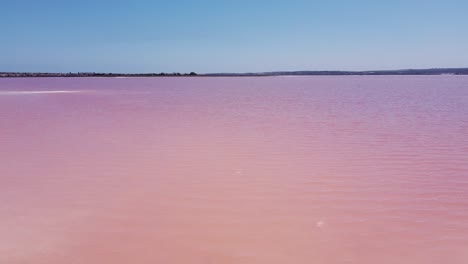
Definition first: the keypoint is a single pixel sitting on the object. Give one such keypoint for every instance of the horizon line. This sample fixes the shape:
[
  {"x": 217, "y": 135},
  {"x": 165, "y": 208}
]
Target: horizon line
[{"x": 463, "y": 70}]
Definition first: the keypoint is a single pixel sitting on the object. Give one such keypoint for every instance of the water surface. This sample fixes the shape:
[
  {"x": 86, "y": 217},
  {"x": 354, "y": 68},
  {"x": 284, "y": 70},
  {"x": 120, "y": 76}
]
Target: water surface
[{"x": 330, "y": 170}]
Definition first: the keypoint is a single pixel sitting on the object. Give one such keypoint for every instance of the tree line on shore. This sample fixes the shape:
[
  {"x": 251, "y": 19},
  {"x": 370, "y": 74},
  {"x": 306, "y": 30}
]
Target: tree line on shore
[{"x": 93, "y": 74}]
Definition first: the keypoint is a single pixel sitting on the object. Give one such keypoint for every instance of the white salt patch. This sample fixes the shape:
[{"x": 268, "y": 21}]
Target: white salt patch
[{"x": 35, "y": 92}]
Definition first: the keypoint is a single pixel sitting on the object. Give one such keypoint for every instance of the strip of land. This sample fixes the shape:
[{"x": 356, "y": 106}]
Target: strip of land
[
  {"x": 91, "y": 74},
  {"x": 434, "y": 71}
]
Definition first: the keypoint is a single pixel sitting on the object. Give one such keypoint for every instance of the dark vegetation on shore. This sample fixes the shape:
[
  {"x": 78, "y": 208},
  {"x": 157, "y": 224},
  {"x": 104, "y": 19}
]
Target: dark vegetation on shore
[
  {"x": 93, "y": 74},
  {"x": 435, "y": 71}
]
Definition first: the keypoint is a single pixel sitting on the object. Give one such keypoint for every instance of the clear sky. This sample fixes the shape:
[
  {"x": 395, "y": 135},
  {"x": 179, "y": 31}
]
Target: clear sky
[{"x": 231, "y": 36}]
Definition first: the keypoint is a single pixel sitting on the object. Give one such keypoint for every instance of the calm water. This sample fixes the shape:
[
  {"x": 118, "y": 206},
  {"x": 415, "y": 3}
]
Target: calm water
[{"x": 357, "y": 170}]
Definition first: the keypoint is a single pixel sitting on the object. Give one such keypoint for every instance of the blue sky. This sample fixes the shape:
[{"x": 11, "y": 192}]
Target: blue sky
[{"x": 231, "y": 36}]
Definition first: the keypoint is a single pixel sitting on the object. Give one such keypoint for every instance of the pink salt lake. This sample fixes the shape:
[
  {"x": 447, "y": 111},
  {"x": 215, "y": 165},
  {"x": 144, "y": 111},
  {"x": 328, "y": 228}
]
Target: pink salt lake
[{"x": 326, "y": 170}]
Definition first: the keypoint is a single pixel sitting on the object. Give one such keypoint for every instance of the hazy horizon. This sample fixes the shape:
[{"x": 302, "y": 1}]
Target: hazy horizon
[
  {"x": 245, "y": 36},
  {"x": 243, "y": 72}
]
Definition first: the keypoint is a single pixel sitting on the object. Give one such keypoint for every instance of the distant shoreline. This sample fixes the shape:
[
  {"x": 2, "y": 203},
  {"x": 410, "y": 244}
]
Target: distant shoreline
[
  {"x": 435, "y": 71},
  {"x": 90, "y": 74}
]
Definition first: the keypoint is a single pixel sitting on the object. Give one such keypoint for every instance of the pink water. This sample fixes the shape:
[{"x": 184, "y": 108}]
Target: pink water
[{"x": 357, "y": 170}]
